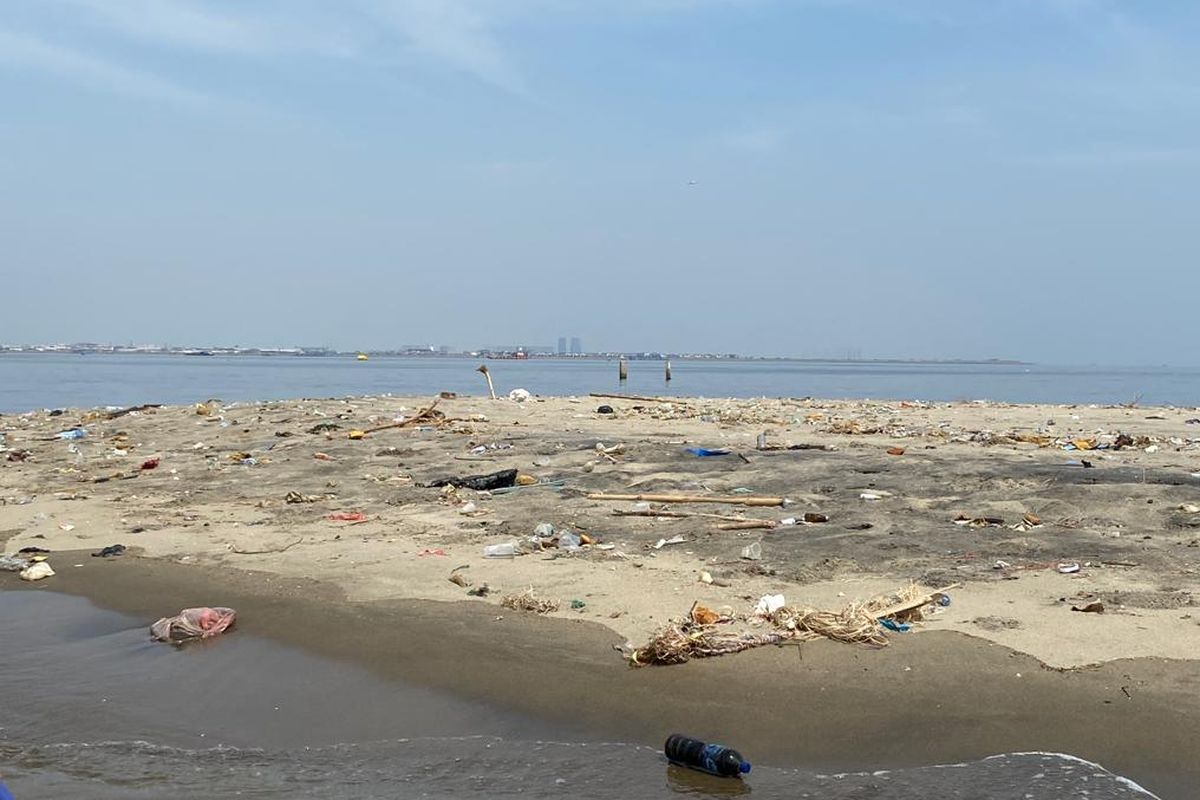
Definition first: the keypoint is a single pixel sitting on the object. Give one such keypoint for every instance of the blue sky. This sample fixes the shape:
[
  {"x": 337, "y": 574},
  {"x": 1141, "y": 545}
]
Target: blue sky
[{"x": 1007, "y": 178}]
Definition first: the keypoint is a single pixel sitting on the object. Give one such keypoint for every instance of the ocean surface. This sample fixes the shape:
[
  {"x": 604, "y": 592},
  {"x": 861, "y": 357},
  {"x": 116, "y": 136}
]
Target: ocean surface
[
  {"x": 44, "y": 380},
  {"x": 93, "y": 710}
]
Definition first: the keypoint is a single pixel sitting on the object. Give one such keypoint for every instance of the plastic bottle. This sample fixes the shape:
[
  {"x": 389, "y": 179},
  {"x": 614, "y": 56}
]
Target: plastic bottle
[
  {"x": 506, "y": 550},
  {"x": 714, "y": 759}
]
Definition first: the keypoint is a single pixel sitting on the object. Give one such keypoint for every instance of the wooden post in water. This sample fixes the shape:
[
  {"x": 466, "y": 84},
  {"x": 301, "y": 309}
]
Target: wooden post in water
[
  {"x": 668, "y": 370},
  {"x": 623, "y": 370}
]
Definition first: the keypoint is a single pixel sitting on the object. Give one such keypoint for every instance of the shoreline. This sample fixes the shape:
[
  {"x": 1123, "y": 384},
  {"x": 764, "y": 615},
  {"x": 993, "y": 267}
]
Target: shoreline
[
  {"x": 938, "y": 698},
  {"x": 217, "y": 521}
]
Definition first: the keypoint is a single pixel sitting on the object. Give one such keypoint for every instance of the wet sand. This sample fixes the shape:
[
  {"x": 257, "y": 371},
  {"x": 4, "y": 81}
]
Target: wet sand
[{"x": 1008, "y": 667}]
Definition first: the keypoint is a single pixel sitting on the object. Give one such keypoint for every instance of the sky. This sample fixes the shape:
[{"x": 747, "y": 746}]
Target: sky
[{"x": 891, "y": 178}]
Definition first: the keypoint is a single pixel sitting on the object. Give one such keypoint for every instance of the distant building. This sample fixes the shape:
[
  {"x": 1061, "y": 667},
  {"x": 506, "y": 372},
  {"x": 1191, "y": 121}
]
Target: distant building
[
  {"x": 562, "y": 345},
  {"x": 576, "y": 346}
]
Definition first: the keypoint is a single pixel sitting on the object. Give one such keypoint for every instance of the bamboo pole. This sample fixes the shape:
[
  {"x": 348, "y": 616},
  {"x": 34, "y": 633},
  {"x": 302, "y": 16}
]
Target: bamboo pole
[{"x": 747, "y": 500}]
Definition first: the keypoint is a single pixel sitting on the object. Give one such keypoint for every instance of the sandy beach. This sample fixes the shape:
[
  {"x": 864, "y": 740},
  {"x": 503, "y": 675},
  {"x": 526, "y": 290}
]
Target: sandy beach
[{"x": 256, "y": 506}]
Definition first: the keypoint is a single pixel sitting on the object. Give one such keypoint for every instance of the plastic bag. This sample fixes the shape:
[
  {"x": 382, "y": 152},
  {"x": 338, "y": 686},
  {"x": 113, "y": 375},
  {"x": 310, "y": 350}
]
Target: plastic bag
[{"x": 193, "y": 623}]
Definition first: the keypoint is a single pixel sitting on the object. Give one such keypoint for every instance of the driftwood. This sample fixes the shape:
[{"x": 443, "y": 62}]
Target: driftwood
[
  {"x": 123, "y": 411},
  {"x": 286, "y": 547},
  {"x": 421, "y": 416},
  {"x": 747, "y": 524},
  {"x": 746, "y": 500},
  {"x": 638, "y": 398}
]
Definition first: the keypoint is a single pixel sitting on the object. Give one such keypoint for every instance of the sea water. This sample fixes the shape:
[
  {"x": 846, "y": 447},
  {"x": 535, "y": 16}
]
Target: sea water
[
  {"x": 93, "y": 710},
  {"x": 53, "y": 380}
]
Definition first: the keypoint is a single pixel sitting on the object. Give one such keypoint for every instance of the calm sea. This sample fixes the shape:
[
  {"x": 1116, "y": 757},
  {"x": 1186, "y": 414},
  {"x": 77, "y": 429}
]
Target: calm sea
[
  {"x": 29, "y": 381},
  {"x": 93, "y": 710}
]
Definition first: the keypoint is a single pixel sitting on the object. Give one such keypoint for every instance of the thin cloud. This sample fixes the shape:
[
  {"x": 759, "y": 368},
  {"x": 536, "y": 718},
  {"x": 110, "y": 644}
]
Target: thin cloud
[
  {"x": 455, "y": 32},
  {"x": 24, "y": 51},
  {"x": 1119, "y": 157}
]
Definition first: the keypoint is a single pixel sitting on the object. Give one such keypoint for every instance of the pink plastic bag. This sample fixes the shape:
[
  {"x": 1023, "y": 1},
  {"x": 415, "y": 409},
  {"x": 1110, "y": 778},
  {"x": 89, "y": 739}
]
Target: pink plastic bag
[{"x": 193, "y": 623}]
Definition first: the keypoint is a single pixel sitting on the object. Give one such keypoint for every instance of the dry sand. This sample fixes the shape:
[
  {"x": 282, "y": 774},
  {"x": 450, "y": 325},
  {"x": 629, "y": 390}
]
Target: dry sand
[{"x": 1130, "y": 522}]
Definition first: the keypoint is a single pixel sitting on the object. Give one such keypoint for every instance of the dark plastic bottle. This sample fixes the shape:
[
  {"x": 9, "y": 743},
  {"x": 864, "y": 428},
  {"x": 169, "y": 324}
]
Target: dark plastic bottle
[{"x": 715, "y": 759}]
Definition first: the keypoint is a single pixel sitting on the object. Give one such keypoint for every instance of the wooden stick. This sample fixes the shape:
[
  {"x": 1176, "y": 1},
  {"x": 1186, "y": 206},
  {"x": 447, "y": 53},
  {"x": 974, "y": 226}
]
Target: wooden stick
[
  {"x": 622, "y": 370},
  {"x": 690, "y": 498},
  {"x": 637, "y": 397},
  {"x": 650, "y": 512},
  {"x": 747, "y": 524},
  {"x": 491, "y": 389},
  {"x": 909, "y": 605},
  {"x": 419, "y": 417}
]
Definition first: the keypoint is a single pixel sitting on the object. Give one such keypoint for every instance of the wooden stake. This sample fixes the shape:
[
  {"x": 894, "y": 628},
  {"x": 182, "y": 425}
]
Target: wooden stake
[
  {"x": 668, "y": 371},
  {"x": 623, "y": 370},
  {"x": 746, "y": 500},
  {"x": 491, "y": 389}
]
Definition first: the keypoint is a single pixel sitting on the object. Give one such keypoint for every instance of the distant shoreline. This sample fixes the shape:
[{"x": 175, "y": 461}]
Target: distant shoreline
[{"x": 218, "y": 352}]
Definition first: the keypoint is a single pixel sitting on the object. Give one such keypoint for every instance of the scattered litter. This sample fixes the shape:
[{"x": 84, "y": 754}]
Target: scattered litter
[
  {"x": 66, "y": 526},
  {"x": 427, "y": 552},
  {"x": 481, "y": 590},
  {"x": 150, "y": 463},
  {"x": 978, "y": 522},
  {"x": 467, "y": 508},
  {"x": 504, "y": 550},
  {"x": 578, "y": 605},
  {"x": 769, "y": 604},
  {"x": 519, "y": 395},
  {"x": 193, "y": 623},
  {"x": 1067, "y": 568},
  {"x": 569, "y": 540},
  {"x": 349, "y": 516},
  {"x": 36, "y": 572},
  {"x": 703, "y": 615},
  {"x": 661, "y": 543},
  {"x": 752, "y": 551},
  {"x": 110, "y": 551},
  {"x": 605, "y": 410},
  {"x": 13, "y": 563},
  {"x": 703, "y": 452},
  {"x": 529, "y": 601},
  {"x": 895, "y": 451},
  {"x": 457, "y": 577},
  {"x": 892, "y": 625},
  {"x": 73, "y": 433},
  {"x": 1095, "y": 607},
  {"x": 495, "y": 480},
  {"x": 323, "y": 457},
  {"x": 813, "y": 518}
]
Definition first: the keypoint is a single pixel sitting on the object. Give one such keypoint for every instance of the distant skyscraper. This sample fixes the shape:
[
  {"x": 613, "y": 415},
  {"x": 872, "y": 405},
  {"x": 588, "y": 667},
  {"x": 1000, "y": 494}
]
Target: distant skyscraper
[
  {"x": 562, "y": 345},
  {"x": 576, "y": 346}
]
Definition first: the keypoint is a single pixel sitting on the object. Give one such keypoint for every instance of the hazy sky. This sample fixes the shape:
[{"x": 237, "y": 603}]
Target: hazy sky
[{"x": 959, "y": 178}]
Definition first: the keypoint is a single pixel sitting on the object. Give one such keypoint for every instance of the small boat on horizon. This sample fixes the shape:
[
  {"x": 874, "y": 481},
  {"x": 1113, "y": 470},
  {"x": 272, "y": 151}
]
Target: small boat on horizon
[{"x": 362, "y": 357}]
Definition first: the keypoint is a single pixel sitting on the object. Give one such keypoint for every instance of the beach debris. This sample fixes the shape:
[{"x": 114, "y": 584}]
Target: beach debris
[
  {"x": 769, "y": 604},
  {"x": 569, "y": 540},
  {"x": 502, "y": 550},
  {"x": 110, "y": 551},
  {"x": 324, "y": 427},
  {"x": 895, "y": 451},
  {"x": 752, "y": 551},
  {"x": 703, "y": 452},
  {"x": 1066, "y": 568},
  {"x": 519, "y": 395},
  {"x": 1094, "y": 607},
  {"x": 482, "y": 368},
  {"x": 348, "y": 516},
  {"x": 495, "y": 480},
  {"x": 150, "y": 463},
  {"x": 13, "y": 563},
  {"x": 36, "y": 571},
  {"x": 870, "y": 496},
  {"x": 743, "y": 500},
  {"x": 468, "y": 508},
  {"x": 978, "y": 522},
  {"x": 481, "y": 590},
  {"x": 703, "y": 615},
  {"x": 18, "y": 455},
  {"x": 459, "y": 579},
  {"x": 605, "y": 409},
  {"x": 427, "y": 414},
  {"x": 193, "y": 623},
  {"x": 859, "y": 623},
  {"x": 296, "y": 497},
  {"x": 528, "y": 600},
  {"x": 71, "y": 434},
  {"x": 752, "y": 524},
  {"x": 356, "y": 435},
  {"x": 715, "y": 759},
  {"x": 578, "y": 605},
  {"x": 661, "y": 543}
]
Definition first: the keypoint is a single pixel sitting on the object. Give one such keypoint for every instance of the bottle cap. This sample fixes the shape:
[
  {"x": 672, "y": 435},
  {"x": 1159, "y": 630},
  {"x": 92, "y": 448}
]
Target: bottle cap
[{"x": 744, "y": 767}]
